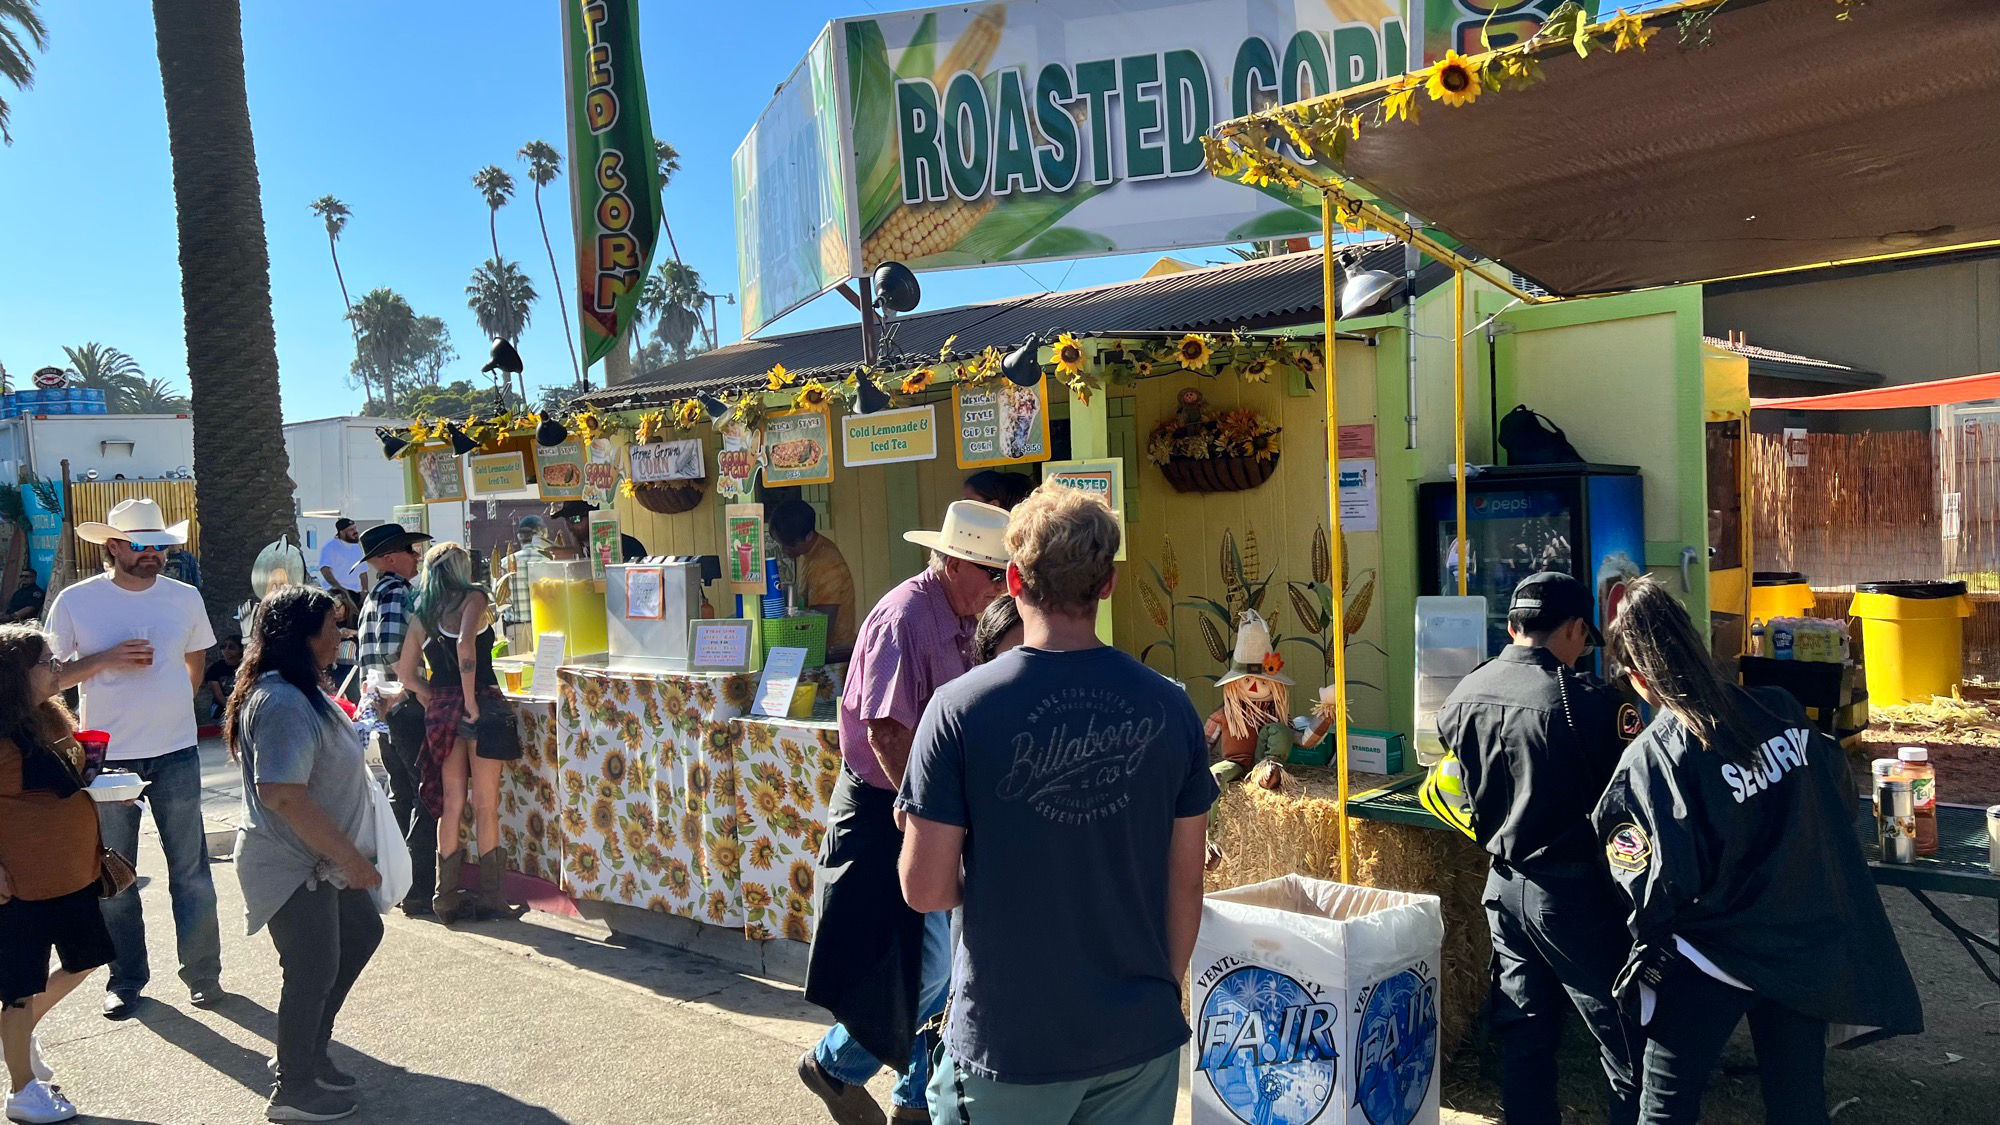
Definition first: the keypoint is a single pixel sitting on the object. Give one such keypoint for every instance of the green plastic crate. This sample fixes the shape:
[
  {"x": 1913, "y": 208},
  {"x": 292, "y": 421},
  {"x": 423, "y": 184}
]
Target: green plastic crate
[{"x": 806, "y": 631}]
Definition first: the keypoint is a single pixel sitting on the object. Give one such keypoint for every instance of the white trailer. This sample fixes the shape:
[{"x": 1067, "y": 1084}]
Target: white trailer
[{"x": 338, "y": 470}]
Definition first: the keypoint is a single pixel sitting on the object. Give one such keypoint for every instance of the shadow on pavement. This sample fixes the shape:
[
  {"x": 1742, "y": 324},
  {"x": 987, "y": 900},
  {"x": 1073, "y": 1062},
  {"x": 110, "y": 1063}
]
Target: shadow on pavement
[{"x": 240, "y": 1064}]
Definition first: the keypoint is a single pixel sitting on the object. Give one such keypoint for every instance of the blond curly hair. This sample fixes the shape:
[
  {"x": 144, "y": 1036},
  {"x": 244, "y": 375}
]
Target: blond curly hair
[{"x": 1062, "y": 541}]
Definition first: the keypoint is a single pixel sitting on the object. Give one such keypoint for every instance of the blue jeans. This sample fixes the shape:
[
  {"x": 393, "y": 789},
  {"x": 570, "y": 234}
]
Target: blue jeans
[
  {"x": 846, "y": 1061},
  {"x": 175, "y": 798}
]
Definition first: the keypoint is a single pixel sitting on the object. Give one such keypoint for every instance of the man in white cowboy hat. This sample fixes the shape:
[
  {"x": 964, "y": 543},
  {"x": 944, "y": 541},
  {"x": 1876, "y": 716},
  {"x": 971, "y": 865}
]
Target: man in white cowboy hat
[
  {"x": 1060, "y": 795},
  {"x": 135, "y": 644},
  {"x": 881, "y": 968}
]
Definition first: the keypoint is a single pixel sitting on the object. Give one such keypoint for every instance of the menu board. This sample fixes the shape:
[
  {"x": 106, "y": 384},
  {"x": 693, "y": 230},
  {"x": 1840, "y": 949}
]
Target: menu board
[
  {"x": 719, "y": 645},
  {"x": 743, "y": 548},
  {"x": 606, "y": 547},
  {"x": 782, "y": 669},
  {"x": 496, "y": 473},
  {"x": 559, "y": 470},
  {"x": 439, "y": 472},
  {"x": 797, "y": 447},
  {"x": 736, "y": 461},
  {"x": 888, "y": 436},
  {"x": 411, "y": 517},
  {"x": 1001, "y": 423},
  {"x": 1104, "y": 478}
]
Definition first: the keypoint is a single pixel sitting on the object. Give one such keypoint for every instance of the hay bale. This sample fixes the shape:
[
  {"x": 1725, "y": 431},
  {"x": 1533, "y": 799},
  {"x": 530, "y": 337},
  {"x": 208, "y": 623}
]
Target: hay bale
[{"x": 1264, "y": 835}]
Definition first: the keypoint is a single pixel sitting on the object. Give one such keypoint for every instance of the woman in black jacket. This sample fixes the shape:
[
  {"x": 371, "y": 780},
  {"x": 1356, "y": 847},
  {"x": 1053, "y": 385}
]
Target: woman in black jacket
[{"x": 1729, "y": 826}]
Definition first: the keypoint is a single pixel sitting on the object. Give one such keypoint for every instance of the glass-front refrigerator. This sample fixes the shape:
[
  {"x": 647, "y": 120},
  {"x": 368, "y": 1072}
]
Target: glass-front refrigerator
[{"x": 1584, "y": 520}]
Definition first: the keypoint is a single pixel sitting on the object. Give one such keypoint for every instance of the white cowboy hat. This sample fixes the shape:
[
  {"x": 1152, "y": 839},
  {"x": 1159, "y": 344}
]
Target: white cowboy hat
[
  {"x": 972, "y": 531},
  {"x": 138, "y": 522}
]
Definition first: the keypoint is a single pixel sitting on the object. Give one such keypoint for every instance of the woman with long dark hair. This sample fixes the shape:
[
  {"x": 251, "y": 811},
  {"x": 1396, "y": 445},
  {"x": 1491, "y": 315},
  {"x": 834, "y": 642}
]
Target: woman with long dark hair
[
  {"x": 308, "y": 830},
  {"x": 49, "y": 862},
  {"x": 465, "y": 748},
  {"x": 1729, "y": 825}
]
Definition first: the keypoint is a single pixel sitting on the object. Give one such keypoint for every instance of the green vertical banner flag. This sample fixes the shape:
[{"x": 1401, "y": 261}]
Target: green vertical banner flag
[{"x": 614, "y": 176}]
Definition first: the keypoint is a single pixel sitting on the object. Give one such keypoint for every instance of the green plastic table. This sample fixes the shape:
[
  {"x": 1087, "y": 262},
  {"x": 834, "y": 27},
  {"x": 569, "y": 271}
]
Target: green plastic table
[{"x": 1959, "y": 867}]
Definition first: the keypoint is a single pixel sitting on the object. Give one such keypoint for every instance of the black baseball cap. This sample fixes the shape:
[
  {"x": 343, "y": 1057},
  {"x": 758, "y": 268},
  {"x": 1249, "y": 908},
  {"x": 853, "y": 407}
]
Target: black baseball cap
[
  {"x": 1552, "y": 591},
  {"x": 342, "y": 524}
]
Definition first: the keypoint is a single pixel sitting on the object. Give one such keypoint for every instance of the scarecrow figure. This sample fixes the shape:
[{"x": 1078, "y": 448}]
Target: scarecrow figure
[{"x": 1252, "y": 723}]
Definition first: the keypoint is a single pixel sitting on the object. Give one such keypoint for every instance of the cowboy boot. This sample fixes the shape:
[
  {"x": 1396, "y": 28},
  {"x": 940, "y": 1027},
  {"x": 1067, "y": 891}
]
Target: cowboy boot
[
  {"x": 492, "y": 904},
  {"x": 449, "y": 903}
]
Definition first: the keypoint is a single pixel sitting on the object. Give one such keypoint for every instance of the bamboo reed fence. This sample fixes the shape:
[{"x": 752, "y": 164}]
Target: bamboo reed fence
[{"x": 1863, "y": 508}]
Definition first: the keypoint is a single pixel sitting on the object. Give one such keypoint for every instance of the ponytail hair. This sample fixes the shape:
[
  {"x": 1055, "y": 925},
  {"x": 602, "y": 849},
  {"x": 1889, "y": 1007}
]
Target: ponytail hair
[{"x": 1654, "y": 637}]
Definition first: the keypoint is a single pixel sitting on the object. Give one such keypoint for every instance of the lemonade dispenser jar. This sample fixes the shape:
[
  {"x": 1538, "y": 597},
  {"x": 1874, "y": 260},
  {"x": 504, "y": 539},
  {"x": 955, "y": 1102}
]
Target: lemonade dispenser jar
[{"x": 564, "y": 598}]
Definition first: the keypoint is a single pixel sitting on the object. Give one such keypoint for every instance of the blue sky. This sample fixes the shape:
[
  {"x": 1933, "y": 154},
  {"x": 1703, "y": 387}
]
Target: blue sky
[{"x": 391, "y": 106}]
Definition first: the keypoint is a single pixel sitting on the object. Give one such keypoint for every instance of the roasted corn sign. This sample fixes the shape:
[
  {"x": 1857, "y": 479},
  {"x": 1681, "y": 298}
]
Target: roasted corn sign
[
  {"x": 614, "y": 178},
  {"x": 1045, "y": 129}
]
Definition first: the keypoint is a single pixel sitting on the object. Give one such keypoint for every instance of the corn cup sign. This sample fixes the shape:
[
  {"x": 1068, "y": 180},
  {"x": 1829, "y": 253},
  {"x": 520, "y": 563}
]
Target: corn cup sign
[{"x": 1027, "y": 130}]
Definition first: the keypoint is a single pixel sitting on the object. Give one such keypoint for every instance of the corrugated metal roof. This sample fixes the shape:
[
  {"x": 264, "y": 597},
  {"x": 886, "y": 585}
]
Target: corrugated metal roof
[
  {"x": 1274, "y": 292},
  {"x": 1788, "y": 365}
]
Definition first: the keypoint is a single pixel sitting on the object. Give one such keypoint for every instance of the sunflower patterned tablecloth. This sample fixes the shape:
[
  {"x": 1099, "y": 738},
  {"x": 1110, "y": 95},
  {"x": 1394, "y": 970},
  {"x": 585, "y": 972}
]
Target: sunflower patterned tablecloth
[
  {"x": 531, "y": 826},
  {"x": 785, "y": 771},
  {"x": 648, "y": 791}
]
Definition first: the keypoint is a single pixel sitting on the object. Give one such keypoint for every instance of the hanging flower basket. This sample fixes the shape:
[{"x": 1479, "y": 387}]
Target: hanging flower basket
[
  {"x": 670, "y": 498},
  {"x": 1218, "y": 474}
]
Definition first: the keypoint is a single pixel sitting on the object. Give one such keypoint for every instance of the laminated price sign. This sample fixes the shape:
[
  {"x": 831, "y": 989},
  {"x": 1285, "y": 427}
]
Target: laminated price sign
[{"x": 1001, "y": 423}]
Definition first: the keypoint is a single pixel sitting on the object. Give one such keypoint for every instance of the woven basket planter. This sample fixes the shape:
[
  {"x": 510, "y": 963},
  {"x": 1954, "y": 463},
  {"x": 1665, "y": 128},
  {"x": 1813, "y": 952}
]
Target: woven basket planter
[
  {"x": 670, "y": 498},
  {"x": 1217, "y": 474}
]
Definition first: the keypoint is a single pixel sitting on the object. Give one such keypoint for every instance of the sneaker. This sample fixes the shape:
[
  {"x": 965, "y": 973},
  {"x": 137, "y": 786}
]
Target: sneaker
[
  {"x": 849, "y": 1105},
  {"x": 37, "y": 1066},
  {"x": 312, "y": 1104},
  {"x": 38, "y": 1104},
  {"x": 120, "y": 1005},
  {"x": 207, "y": 994},
  {"x": 328, "y": 1076}
]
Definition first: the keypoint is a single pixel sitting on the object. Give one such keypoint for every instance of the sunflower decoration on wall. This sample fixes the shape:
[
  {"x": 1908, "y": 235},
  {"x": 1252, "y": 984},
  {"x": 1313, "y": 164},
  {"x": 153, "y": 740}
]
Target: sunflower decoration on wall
[
  {"x": 919, "y": 381},
  {"x": 687, "y": 414},
  {"x": 812, "y": 396},
  {"x": 777, "y": 378},
  {"x": 1453, "y": 81},
  {"x": 1069, "y": 356},
  {"x": 1257, "y": 369},
  {"x": 1194, "y": 352},
  {"x": 650, "y": 425}
]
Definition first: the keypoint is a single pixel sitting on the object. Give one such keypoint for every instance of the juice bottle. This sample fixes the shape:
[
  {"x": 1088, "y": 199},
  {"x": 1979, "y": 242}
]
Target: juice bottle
[{"x": 1916, "y": 765}]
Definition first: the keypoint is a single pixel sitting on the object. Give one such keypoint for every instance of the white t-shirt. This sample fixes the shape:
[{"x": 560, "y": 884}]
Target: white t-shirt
[
  {"x": 147, "y": 711},
  {"x": 344, "y": 559}
]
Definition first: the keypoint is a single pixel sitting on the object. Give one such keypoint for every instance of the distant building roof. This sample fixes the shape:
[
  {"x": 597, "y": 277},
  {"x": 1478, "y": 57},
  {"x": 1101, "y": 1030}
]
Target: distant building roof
[
  {"x": 1774, "y": 364},
  {"x": 1265, "y": 293}
]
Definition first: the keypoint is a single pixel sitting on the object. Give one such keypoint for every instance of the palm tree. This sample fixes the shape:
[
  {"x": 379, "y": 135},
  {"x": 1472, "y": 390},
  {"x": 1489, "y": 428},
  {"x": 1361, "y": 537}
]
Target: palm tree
[
  {"x": 157, "y": 396},
  {"x": 16, "y": 64},
  {"x": 499, "y": 297},
  {"x": 544, "y": 165},
  {"x": 497, "y": 186},
  {"x": 109, "y": 370},
  {"x": 672, "y": 300},
  {"x": 384, "y": 325},
  {"x": 243, "y": 495},
  {"x": 335, "y": 214}
]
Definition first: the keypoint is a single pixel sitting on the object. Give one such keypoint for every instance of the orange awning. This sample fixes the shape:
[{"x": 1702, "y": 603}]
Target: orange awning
[{"x": 1937, "y": 392}]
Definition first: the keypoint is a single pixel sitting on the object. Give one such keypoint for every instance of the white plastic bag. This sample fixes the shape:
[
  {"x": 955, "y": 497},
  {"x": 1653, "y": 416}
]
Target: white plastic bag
[
  {"x": 1316, "y": 1002},
  {"x": 392, "y": 856}
]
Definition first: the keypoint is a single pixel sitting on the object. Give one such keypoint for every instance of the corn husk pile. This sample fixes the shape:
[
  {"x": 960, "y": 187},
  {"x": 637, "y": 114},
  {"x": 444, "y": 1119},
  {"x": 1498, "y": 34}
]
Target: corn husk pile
[
  {"x": 1968, "y": 722},
  {"x": 1265, "y": 834}
]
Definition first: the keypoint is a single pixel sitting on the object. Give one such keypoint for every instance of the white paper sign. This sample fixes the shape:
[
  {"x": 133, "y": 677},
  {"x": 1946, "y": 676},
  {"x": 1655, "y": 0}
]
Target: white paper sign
[
  {"x": 782, "y": 669},
  {"x": 548, "y": 658},
  {"x": 1796, "y": 450},
  {"x": 1950, "y": 519},
  {"x": 1357, "y": 494},
  {"x": 667, "y": 460}
]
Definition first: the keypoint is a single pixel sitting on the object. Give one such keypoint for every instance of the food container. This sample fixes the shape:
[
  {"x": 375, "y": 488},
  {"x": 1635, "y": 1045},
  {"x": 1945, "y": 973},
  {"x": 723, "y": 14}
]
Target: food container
[
  {"x": 564, "y": 598},
  {"x": 116, "y": 785}
]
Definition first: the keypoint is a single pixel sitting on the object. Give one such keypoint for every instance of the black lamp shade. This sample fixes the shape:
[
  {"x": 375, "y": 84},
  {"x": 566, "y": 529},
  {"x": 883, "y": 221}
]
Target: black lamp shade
[
  {"x": 551, "y": 431},
  {"x": 1023, "y": 365},
  {"x": 503, "y": 358},
  {"x": 896, "y": 288},
  {"x": 715, "y": 407},
  {"x": 868, "y": 398},
  {"x": 393, "y": 443},
  {"x": 461, "y": 442}
]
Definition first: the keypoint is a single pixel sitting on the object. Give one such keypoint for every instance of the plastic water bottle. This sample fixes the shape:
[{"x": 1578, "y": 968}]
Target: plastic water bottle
[
  {"x": 1781, "y": 638},
  {"x": 1757, "y": 636}
]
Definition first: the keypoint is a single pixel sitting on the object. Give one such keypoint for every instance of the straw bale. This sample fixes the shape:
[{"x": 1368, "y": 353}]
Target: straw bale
[{"x": 1264, "y": 835}]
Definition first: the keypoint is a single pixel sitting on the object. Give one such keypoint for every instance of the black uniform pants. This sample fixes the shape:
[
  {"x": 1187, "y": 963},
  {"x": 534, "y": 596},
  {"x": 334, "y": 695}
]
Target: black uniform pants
[
  {"x": 1693, "y": 1017},
  {"x": 402, "y": 756},
  {"x": 1558, "y": 942}
]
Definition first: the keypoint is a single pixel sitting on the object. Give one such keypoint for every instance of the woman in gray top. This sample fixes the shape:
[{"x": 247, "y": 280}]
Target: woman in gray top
[{"x": 304, "y": 856}]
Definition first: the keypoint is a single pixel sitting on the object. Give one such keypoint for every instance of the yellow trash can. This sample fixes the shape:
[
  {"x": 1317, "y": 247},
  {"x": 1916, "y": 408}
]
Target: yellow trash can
[
  {"x": 1779, "y": 593},
  {"x": 1912, "y": 638}
]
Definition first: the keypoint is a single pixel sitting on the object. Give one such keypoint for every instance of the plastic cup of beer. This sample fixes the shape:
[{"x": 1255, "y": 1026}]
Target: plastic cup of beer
[{"x": 143, "y": 633}]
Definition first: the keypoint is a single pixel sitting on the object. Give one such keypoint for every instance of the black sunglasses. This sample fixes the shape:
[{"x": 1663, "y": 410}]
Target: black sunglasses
[{"x": 993, "y": 573}]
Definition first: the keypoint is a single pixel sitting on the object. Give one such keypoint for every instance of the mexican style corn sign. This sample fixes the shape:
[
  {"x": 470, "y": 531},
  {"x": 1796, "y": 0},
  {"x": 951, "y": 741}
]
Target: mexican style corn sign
[
  {"x": 1026, "y": 130},
  {"x": 614, "y": 177}
]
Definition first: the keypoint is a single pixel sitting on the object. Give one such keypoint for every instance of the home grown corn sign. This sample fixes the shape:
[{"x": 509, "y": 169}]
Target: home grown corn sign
[{"x": 1024, "y": 130}]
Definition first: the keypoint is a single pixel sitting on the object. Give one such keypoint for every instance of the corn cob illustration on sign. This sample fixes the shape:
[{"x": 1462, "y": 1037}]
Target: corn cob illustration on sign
[{"x": 1028, "y": 130}]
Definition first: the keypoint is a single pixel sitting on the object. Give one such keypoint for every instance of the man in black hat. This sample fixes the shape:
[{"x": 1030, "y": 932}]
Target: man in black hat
[
  {"x": 1537, "y": 741},
  {"x": 394, "y": 554},
  {"x": 570, "y": 521}
]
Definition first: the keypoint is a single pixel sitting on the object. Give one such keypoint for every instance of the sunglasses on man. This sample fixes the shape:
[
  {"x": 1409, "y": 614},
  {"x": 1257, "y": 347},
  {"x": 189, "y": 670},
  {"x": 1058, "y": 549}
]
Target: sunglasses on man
[
  {"x": 141, "y": 547},
  {"x": 994, "y": 574}
]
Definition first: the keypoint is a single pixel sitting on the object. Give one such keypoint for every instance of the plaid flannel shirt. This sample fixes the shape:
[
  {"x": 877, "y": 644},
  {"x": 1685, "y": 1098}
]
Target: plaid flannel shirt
[{"x": 383, "y": 623}]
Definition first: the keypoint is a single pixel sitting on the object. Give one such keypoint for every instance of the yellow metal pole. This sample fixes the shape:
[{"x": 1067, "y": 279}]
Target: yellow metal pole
[
  {"x": 1458, "y": 421},
  {"x": 1337, "y": 543}
]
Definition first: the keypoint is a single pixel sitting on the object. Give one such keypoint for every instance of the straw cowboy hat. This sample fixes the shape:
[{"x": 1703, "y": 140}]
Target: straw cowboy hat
[
  {"x": 1253, "y": 655},
  {"x": 137, "y": 522},
  {"x": 972, "y": 531}
]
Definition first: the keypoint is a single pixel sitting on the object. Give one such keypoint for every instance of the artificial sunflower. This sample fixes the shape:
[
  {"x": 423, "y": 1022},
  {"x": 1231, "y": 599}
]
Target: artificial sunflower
[
  {"x": 1257, "y": 370},
  {"x": 1144, "y": 367},
  {"x": 650, "y": 425},
  {"x": 1069, "y": 355},
  {"x": 688, "y": 413},
  {"x": 1453, "y": 80},
  {"x": 918, "y": 381},
  {"x": 627, "y": 488},
  {"x": 1193, "y": 351},
  {"x": 777, "y": 379},
  {"x": 811, "y": 396}
]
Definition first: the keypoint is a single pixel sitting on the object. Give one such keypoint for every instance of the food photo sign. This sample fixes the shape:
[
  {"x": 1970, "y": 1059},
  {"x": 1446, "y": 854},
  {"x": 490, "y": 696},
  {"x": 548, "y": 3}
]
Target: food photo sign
[
  {"x": 736, "y": 461},
  {"x": 1001, "y": 423},
  {"x": 796, "y": 447},
  {"x": 559, "y": 470}
]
